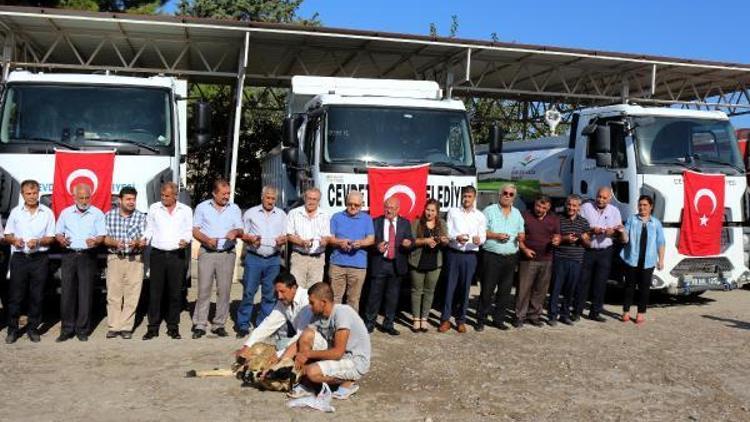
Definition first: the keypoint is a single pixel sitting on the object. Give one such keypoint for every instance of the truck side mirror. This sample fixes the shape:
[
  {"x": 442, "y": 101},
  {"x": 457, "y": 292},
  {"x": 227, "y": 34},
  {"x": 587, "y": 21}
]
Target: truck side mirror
[
  {"x": 602, "y": 145},
  {"x": 202, "y": 118},
  {"x": 290, "y": 156},
  {"x": 289, "y": 130},
  {"x": 495, "y": 140},
  {"x": 494, "y": 161}
]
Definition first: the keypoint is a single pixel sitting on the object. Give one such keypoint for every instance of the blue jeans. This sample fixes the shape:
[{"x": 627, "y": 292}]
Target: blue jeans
[
  {"x": 567, "y": 275},
  {"x": 263, "y": 271}
]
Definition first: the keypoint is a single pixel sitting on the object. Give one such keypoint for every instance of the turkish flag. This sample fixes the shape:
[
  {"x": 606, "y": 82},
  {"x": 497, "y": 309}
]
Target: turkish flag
[
  {"x": 408, "y": 184},
  {"x": 702, "y": 214},
  {"x": 92, "y": 168}
]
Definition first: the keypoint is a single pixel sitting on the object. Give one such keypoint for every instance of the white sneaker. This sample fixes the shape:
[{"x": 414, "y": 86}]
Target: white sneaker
[
  {"x": 299, "y": 391},
  {"x": 343, "y": 393}
]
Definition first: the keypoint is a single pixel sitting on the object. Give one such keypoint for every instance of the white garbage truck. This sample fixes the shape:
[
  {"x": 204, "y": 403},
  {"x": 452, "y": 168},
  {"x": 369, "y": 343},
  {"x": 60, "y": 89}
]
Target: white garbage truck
[
  {"x": 637, "y": 150},
  {"x": 337, "y": 127},
  {"x": 143, "y": 119}
]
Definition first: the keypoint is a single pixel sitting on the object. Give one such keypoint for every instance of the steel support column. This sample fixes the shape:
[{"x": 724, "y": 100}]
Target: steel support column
[{"x": 242, "y": 67}]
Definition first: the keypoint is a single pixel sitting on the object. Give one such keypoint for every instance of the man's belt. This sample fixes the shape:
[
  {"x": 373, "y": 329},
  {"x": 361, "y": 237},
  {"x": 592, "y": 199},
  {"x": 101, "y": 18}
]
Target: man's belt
[
  {"x": 314, "y": 255},
  {"x": 83, "y": 251},
  {"x": 29, "y": 254},
  {"x": 219, "y": 250}
]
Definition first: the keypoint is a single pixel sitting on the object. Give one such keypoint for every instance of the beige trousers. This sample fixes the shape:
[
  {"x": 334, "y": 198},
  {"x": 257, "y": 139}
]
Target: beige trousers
[
  {"x": 349, "y": 281},
  {"x": 307, "y": 270},
  {"x": 124, "y": 282}
]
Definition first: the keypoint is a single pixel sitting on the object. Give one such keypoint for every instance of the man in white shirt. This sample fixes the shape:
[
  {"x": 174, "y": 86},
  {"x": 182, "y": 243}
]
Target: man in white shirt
[
  {"x": 467, "y": 231},
  {"x": 30, "y": 230},
  {"x": 290, "y": 315},
  {"x": 169, "y": 229},
  {"x": 308, "y": 229},
  {"x": 265, "y": 234}
]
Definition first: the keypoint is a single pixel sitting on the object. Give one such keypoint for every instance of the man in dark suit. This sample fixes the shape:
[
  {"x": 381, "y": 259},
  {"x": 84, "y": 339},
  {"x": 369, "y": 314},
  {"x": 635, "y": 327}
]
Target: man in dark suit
[{"x": 388, "y": 264}]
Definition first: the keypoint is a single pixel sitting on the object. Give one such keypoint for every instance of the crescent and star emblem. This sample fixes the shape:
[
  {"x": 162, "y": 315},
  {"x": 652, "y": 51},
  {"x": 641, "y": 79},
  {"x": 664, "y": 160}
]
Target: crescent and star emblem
[
  {"x": 404, "y": 190},
  {"x": 84, "y": 173},
  {"x": 710, "y": 195}
]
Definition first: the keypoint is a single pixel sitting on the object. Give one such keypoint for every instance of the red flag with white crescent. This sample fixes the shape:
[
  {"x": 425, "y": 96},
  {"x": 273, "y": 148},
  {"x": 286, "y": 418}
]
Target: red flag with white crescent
[
  {"x": 408, "y": 184},
  {"x": 702, "y": 214},
  {"x": 93, "y": 168}
]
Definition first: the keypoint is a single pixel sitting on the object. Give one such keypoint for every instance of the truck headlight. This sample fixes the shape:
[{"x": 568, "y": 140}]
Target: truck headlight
[{"x": 657, "y": 282}]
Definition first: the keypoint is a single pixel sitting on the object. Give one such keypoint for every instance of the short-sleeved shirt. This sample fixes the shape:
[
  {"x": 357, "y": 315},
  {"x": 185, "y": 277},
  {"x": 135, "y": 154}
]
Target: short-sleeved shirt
[
  {"x": 539, "y": 235},
  {"x": 25, "y": 225},
  {"x": 81, "y": 225},
  {"x": 268, "y": 225},
  {"x": 126, "y": 228},
  {"x": 215, "y": 224},
  {"x": 344, "y": 317},
  {"x": 577, "y": 226},
  {"x": 498, "y": 222},
  {"x": 352, "y": 227},
  {"x": 314, "y": 227},
  {"x": 607, "y": 218}
]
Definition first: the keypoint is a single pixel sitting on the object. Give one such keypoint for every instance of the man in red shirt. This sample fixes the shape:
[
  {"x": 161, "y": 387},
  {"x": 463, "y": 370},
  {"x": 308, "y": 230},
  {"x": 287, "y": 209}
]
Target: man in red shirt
[{"x": 542, "y": 234}]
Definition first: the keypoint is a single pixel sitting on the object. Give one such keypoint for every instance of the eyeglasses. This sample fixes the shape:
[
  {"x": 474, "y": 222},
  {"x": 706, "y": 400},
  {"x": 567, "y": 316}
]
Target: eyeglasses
[
  {"x": 351, "y": 204},
  {"x": 509, "y": 194}
]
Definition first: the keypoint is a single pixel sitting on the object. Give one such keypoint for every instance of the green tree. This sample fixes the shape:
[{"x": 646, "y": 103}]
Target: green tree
[
  {"x": 282, "y": 11},
  {"x": 116, "y": 6},
  {"x": 262, "y": 114}
]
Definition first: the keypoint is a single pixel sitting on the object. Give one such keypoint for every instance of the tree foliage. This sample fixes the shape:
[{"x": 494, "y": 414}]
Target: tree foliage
[
  {"x": 262, "y": 113},
  {"x": 115, "y": 6},
  {"x": 281, "y": 11}
]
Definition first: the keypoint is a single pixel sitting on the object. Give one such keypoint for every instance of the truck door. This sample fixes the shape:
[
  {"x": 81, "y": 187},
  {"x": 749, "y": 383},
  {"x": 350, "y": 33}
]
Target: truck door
[{"x": 619, "y": 175}]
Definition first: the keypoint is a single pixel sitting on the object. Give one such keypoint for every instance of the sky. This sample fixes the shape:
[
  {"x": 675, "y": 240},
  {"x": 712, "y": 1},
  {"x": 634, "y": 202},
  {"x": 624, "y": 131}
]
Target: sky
[{"x": 691, "y": 29}]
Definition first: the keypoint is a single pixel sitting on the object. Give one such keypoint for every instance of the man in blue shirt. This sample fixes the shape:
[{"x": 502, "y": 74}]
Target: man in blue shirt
[
  {"x": 265, "y": 234},
  {"x": 352, "y": 232},
  {"x": 217, "y": 224},
  {"x": 80, "y": 229}
]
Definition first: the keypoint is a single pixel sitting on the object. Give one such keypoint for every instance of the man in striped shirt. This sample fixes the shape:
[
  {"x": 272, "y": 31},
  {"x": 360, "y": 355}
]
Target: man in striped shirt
[
  {"x": 308, "y": 230},
  {"x": 568, "y": 259}
]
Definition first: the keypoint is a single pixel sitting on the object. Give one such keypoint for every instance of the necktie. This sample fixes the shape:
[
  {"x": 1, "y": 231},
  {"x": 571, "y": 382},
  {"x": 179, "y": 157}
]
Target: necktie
[{"x": 391, "y": 253}]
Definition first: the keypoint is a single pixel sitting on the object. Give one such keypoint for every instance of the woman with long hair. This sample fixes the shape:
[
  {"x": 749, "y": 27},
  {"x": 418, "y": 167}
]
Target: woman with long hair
[{"x": 430, "y": 234}]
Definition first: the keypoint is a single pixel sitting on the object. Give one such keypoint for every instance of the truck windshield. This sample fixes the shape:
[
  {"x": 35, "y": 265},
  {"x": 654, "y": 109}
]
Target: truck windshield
[
  {"x": 86, "y": 116},
  {"x": 391, "y": 136},
  {"x": 678, "y": 140}
]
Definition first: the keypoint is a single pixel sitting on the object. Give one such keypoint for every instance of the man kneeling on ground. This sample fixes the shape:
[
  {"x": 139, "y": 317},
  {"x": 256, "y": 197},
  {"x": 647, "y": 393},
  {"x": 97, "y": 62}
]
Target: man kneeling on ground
[
  {"x": 290, "y": 315},
  {"x": 333, "y": 349}
]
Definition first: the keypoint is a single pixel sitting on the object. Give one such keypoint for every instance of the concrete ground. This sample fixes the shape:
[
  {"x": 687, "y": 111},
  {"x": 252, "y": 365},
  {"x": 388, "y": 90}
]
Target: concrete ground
[{"x": 690, "y": 361}]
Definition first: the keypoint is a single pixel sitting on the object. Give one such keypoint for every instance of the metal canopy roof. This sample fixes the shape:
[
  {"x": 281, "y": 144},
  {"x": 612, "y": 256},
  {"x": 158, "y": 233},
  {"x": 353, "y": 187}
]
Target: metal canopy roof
[{"x": 209, "y": 50}]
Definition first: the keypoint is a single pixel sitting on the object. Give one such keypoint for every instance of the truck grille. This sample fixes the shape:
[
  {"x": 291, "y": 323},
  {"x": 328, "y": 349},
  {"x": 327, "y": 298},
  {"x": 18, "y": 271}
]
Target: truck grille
[{"x": 701, "y": 266}]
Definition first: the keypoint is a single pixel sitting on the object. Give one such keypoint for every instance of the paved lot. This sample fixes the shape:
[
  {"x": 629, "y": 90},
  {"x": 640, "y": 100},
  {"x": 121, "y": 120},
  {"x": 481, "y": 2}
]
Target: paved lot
[{"x": 689, "y": 362}]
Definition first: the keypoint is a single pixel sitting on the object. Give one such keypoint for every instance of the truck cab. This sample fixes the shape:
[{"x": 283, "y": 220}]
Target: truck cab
[
  {"x": 337, "y": 127},
  {"x": 142, "y": 119},
  {"x": 644, "y": 150}
]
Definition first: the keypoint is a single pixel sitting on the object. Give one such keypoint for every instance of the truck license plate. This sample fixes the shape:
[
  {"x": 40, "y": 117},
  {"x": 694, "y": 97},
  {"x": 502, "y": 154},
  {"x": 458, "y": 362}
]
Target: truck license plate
[{"x": 705, "y": 281}]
